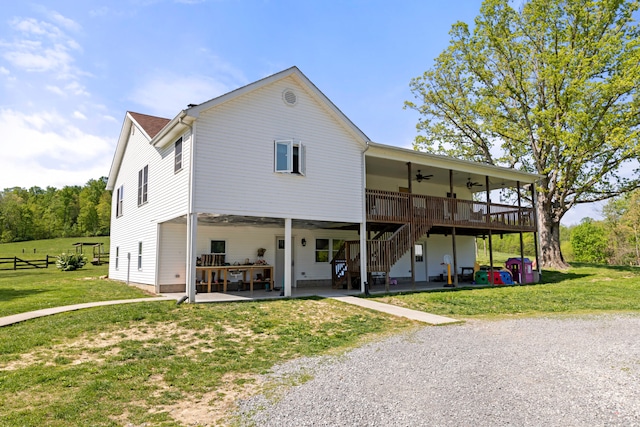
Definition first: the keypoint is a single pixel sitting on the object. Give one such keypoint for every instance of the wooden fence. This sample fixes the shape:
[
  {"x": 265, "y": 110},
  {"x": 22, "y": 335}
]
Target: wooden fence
[{"x": 21, "y": 264}]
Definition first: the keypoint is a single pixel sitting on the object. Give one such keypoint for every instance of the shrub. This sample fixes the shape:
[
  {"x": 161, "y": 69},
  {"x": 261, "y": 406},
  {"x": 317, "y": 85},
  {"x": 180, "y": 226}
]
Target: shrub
[{"x": 70, "y": 262}]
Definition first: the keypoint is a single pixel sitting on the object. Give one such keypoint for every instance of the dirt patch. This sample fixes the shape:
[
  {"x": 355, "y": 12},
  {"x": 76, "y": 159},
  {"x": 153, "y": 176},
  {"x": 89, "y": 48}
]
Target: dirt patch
[{"x": 210, "y": 409}]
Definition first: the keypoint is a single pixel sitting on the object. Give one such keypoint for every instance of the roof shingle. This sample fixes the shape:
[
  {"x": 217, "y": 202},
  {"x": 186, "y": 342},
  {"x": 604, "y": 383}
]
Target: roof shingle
[{"x": 151, "y": 124}]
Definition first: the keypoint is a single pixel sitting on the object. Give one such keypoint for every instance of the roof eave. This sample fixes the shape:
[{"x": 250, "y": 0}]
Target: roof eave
[{"x": 435, "y": 160}]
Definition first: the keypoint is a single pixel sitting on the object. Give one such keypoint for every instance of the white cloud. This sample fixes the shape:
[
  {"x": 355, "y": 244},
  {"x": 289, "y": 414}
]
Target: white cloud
[
  {"x": 56, "y": 90},
  {"x": 40, "y": 47},
  {"x": 79, "y": 115},
  {"x": 67, "y": 23},
  {"x": 4, "y": 71},
  {"x": 50, "y": 151},
  {"x": 167, "y": 94}
]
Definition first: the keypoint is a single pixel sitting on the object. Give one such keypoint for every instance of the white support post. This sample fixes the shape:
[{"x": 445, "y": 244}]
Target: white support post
[
  {"x": 192, "y": 232},
  {"x": 363, "y": 255},
  {"x": 287, "y": 257}
]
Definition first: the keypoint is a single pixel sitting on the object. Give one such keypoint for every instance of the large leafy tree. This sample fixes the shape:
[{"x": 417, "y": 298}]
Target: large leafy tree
[
  {"x": 548, "y": 88},
  {"x": 622, "y": 220}
]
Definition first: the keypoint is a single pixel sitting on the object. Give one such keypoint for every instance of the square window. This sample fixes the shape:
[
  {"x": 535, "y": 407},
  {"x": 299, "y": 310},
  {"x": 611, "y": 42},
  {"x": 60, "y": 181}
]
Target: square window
[
  {"x": 289, "y": 157},
  {"x": 218, "y": 247},
  {"x": 322, "y": 250}
]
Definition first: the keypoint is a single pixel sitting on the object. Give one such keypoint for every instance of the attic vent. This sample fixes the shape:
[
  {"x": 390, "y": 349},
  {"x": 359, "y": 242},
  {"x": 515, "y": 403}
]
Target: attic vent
[{"x": 289, "y": 97}]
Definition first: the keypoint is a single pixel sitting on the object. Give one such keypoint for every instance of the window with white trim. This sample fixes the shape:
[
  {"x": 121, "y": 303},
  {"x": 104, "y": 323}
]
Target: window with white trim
[
  {"x": 178, "y": 155},
  {"x": 327, "y": 249},
  {"x": 117, "y": 256},
  {"x": 289, "y": 157},
  {"x": 218, "y": 247},
  {"x": 322, "y": 250},
  {"x": 119, "y": 201},
  {"x": 139, "y": 255},
  {"x": 143, "y": 180}
]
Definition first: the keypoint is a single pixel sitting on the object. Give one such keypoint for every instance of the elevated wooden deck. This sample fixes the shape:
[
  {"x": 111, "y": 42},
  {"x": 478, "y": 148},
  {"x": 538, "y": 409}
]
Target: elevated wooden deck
[{"x": 404, "y": 208}]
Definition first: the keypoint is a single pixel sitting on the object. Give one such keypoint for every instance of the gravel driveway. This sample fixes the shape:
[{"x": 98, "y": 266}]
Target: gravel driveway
[{"x": 579, "y": 371}]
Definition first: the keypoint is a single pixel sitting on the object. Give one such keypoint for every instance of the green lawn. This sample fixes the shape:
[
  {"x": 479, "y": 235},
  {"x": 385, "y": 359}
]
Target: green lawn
[
  {"x": 37, "y": 288},
  {"x": 583, "y": 288},
  {"x": 146, "y": 363},
  {"x": 162, "y": 364}
]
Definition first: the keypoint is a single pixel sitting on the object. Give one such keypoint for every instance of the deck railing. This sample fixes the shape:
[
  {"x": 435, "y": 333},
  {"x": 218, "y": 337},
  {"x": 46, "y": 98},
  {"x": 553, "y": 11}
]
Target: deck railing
[{"x": 393, "y": 207}]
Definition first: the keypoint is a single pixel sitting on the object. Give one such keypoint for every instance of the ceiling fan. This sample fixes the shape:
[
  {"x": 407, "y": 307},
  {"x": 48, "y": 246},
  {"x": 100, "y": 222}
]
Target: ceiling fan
[
  {"x": 420, "y": 177},
  {"x": 471, "y": 184}
]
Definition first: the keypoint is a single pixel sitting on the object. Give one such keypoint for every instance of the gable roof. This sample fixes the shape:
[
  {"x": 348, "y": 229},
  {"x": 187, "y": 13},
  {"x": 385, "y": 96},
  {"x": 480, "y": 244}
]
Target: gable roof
[
  {"x": 294, "y": 72},
  {"x": 160, "y": 131},
  {"x": 152, "y": 125}
]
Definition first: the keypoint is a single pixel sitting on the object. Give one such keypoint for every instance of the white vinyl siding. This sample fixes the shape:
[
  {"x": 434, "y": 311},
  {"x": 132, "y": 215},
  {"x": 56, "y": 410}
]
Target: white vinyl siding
[
  {"x": 169, "y": 200},
  {"x": 172, "y": 257},
  {"x": 235, "y": 159}
]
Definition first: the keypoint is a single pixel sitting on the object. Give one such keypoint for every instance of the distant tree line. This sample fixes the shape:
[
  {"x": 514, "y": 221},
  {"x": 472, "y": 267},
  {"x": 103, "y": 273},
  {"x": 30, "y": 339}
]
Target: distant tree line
[
  {"x": 614, "y": 240},
  {"x": 37, "y": 213}
]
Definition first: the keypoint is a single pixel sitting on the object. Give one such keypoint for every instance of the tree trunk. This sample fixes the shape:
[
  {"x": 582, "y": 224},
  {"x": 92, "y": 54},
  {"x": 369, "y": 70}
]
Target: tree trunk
[{"x": 549, "y": 229}]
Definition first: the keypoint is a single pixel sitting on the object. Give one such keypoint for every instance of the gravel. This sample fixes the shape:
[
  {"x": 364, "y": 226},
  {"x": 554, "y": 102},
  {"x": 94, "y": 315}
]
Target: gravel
[{"x": 524, "y": 372}]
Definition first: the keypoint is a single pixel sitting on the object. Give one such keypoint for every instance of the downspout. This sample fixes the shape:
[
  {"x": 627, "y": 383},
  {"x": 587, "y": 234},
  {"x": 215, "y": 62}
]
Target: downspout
[
  {"x": 364, "y": 273},
  {"x": 190, "y": 282}
]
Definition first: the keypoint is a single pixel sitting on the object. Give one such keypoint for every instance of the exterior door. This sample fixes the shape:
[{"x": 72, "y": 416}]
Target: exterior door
[
  {"x": 420, "y": 264},
  {"x": 279, "y": 267}
]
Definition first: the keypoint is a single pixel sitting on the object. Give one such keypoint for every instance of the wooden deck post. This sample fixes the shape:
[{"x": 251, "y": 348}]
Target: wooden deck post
[{"x": 523, "y": 276}]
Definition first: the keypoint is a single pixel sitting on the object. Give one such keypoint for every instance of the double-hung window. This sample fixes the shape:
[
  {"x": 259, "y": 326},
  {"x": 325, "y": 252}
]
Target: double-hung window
[
  {"x": 143, "y": 180},
  {"x": 289, "y": 157},
  {"x": 178, "y": 156},
  {"x": 119, "y": 200},
  {"x": 327, "y": 249},
  {"x": 139, "y": 255}
]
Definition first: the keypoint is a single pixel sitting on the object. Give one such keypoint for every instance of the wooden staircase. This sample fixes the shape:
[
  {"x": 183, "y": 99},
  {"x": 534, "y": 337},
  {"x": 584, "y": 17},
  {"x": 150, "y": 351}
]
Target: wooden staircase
[{"x": 383, "y": 251}]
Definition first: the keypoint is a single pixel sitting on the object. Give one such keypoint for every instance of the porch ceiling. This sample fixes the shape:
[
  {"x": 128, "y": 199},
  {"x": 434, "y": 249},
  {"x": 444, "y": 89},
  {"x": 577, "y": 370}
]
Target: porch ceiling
[
  {"x": 255, "y": 221},
  {"x": 391, "y": 162}
]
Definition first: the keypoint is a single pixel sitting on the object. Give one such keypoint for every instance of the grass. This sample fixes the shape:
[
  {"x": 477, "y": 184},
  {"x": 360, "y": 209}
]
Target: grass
[
  {"x": 138, "y": 364},
  {"x": 584, "y": 288},
  {"x": 33, "y": 289},
  {"x": 162, "y": 364}
]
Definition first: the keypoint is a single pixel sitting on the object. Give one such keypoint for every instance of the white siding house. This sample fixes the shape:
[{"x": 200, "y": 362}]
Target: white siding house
[{"x": 275, "y": 162}]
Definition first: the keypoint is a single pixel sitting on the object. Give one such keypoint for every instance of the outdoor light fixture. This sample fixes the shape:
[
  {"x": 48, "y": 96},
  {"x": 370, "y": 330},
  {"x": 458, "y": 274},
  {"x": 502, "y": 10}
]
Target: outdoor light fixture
[{"x": 304, "y": 242}]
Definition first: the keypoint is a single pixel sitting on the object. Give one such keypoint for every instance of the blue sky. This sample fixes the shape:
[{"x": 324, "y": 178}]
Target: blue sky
[{"x": 69, "y": 69}]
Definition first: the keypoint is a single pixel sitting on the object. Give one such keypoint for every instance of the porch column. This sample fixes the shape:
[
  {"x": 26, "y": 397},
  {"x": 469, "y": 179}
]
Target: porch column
[
  {"x": 192, "y": 232},
  {"x": 287, "y": 257},
  {"x": 413, "y": 243},
  {"x": 455, "y": 257},
  {"x": 364, "y": 273},
  {"x": 453, "y": 231},
  {"x": 534, "y": 206},
  {"x": 489, "y": 229},
  {"x": 523, "y": 277}
]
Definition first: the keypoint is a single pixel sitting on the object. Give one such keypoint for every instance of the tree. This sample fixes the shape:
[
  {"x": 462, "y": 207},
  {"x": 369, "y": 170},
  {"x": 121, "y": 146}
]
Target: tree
[
  {"x": 589, "y": 242},
  {"x": 622, "y": 219},
  {"x": 551, "y": 88}
]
